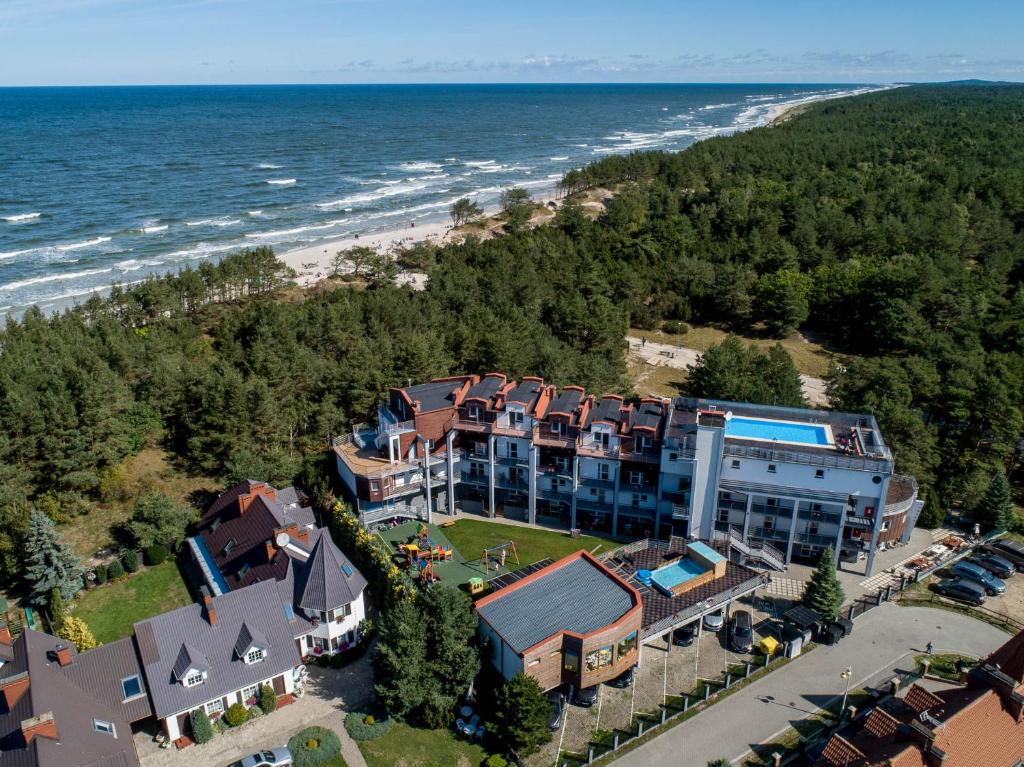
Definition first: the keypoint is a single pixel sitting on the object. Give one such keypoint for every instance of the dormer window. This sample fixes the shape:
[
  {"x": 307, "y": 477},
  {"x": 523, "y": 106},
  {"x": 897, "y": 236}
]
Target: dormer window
[
  {"x": 230, "y": 545},
  {"x": 194, "y": 678},
  {"x": 255, "y": 655},
  {"x": 101, "y": 725},
  {"x": 474, "y": 412},
  {"x": 244, "y": 569}
]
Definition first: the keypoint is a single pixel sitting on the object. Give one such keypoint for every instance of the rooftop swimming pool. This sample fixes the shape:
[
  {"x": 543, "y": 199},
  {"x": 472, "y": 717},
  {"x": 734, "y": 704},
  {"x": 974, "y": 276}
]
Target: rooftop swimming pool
[
  {"x": 767, "y": 430},
  {"x": 671, "y": 576}
]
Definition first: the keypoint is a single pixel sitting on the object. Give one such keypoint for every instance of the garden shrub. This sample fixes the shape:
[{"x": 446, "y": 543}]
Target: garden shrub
[
  {"x": 495, "y": 760},
  {"x": 365, "y": 726},
  {"x": 155, "y": 555},
  {"x": 313, "y": 746},
  {"x": 236, "y": 714},
  {"x": 130, "y": 561},
  {"x": 202, "y": 730},
  {"x": 100, "y": 571},
  {"x": 268, "y": 699},
  {"x": 115, "y": 570}
]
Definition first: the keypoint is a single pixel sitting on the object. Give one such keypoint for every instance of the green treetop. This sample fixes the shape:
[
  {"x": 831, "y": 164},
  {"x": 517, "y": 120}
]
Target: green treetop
[
  {"x": 824, "y": 592},
  {"x": 995, "y": 509},
  {"x": 48, "y": 561},
  {"x": 521, "y": 716}
]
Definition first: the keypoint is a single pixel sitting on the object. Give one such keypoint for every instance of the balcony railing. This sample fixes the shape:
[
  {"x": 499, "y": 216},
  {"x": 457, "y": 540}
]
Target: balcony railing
[
  {"x": 509, "y": 483},
  {"x": 905, "y": 488},
  {"x": 680, "y": 512},
  {"x": 676, "y": 497},
  {"x": 824, "y": 459},
  {"x": 591, "y": 504},
  {"x": 558, "y": 471},
  {"x": 813, "y": 539},
  {"x": 594, "y": 449},
  {"x": 386, "y": 427},
  {"x": 772, "y": 534},
  {"x": 474, "y": 479},
  {"x": 545, "y": 434},
  {"x": 604, "y": 484}
]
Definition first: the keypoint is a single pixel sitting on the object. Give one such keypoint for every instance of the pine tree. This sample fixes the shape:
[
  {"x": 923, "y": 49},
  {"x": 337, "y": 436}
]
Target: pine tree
[
  {"x": 824, "y": 592},
  {"x": 521, "y": 716},
  {"x": 932, "y": 515},
  {"x": 995, "y": 510},
  {"x": 399, "y": 664},
  {"x": 48, "y": 562},
  {"x": 57, "y": 610},
  {"x": 77, "y": 630}
]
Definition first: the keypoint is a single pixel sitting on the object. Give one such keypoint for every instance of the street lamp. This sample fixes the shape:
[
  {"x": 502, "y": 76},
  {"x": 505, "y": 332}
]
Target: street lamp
[{"x": 847, "y": 674}]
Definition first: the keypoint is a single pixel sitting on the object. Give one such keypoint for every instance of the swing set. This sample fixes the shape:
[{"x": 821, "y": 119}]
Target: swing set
[{"x": 496, "y": 556}]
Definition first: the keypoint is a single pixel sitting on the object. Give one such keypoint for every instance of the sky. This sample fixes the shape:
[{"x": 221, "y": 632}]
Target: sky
[{"x": 100, "y": 42}]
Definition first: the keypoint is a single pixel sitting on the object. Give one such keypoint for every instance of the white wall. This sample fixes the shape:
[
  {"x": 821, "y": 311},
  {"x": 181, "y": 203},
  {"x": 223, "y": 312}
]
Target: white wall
[{"x": 171, "y": 722}]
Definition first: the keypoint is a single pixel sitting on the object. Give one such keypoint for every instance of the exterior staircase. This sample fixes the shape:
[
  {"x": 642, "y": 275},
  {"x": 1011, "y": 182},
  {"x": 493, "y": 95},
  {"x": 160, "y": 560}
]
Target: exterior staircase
[{"x": 757, "y": 551}]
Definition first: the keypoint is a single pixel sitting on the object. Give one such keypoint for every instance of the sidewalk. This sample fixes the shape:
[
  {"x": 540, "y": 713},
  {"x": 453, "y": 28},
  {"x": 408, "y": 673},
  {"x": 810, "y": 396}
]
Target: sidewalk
[{"x": 883, "y": 639}]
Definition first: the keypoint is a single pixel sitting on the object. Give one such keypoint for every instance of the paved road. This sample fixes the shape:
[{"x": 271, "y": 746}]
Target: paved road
[{"x": 883, "y": 639}]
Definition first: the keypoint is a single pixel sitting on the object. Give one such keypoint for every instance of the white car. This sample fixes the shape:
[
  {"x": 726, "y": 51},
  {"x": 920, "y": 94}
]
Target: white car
[
  {"x": 714, "y": 621},
  {"x": 274, "y": 757}
]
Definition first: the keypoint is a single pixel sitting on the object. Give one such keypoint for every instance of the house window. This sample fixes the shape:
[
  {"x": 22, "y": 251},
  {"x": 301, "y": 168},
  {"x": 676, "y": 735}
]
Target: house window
[
  {"x": 819, "y": 473},
  {"x": 248, "y": 693},
  {"x": 343, "y": 612},
  {"x": 627, "y": 645},
  {"x": 244, "y": 569},
  {"x": 735, "y": 463},
  {"x": 374, "y": 486},
  {"x": 131, "y": 687},
  {"x": 254, "y": 655},
  {"x": 230, "y": 545},
  {"x": 673, "y": 456},
  {"x": 636, "y": 477},
  {"x": 571, "y": 662},
  {"x": 534, "y": 662},
  {"x": 101, "y": 725},
  {"x": 194, "y": 678},
  {"x": 214, "y": 706},
  {"x": 771, "y": 468}
]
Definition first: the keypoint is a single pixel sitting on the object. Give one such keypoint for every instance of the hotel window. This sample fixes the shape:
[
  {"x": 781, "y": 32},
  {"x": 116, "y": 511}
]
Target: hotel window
[
  {"x": 230, "y": 545},
  {"x": 101, "y": 725},
  {"x": 815, "y": 507},
  {"x": 474, "y": 412},
  {"x": 604, "y": 472},
  {"x": 812, "y": 528},
  {"x": 636, "y": 477},
  {"x": 627, "y": 645},
  {"x": 254, "y": 656},
  {"x": 735, "y": 463},
  {"x": 819, "y": 473},
  {"x": 771, "y": 468},
  {"x": 645, "y": 443},
  {"x": 244, "y": 569},
  {"x": 886, "y": 525},
  {"x": 723, "y": 515},
  {"x": 513, "y": 449},
  {"x": 515, "y": 418},
  {"x": 561, "y": 463},
  {"x": 571, "y": 662},
  {"x": 601, "y": 438},
  {"x": 771, "y": 502},
  {"x": 673, "y": 456},
  {"x": 215, "y": 706},
  {"x": 769, "y": 524},
  {"x": 196, "y": 677},
  {"x": 131, "y": 687}
]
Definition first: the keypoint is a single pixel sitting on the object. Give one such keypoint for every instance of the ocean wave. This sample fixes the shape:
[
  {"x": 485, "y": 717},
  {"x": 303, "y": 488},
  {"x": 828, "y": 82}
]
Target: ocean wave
[
  {"x": 255, "y": 213},
  {"x": 479, "y": 163},
  {"x": 559, "y": 159},
  {"x": 21, "y": 218},
  {"x": 86, "y": 244},
  {"x": 296, "y": 230},
  {"x": 222, "y": 221},
  {"x": 377, "y": 194},
  {"x": 153, "y": 229},
  {"x": 420, "y": 165},
  {"x": 267, "y": 166},
  {"x": 59, "y": 277},
  {"x": 199, "y": 250},
  {"x": 709, "y": 107},
  {"x": 282, "y": 181},
  {"x": 15, "y": 253}
]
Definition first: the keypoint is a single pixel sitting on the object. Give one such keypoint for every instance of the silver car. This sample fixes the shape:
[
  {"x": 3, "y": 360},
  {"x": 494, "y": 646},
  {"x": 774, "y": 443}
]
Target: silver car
[{"x": 274, "y": 757}]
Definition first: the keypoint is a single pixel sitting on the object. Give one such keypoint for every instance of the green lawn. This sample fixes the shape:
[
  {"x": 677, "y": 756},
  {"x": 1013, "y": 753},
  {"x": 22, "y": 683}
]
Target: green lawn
[
  {"x": 472, "y": 536},
  {"x": 111, "y": 609},
  {"x": 411, "y": 747}
]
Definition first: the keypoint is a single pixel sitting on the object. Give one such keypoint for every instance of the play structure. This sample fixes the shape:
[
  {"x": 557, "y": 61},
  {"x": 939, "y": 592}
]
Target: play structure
[
  {"x": 496, "y": 556},
  {"x": 422, "y": 555}
]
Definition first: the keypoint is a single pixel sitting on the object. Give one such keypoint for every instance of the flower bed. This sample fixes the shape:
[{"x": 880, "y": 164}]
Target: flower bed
[
  {"x": 313, "y": 746},
  {"x": 363, "y": 725}
]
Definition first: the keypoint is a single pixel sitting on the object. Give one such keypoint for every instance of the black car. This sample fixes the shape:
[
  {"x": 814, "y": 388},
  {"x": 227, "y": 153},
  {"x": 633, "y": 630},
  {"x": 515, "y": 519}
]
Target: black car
[
  {"x": 557, "y": 700},
  {"x": 962, "y": 590},
  {"x": 995, "y": 564},
  {"x": 1009, "y": 550},
  {"x": 741, "y": 634},
  {"x": 625, "y": 679},
  {"x": 683, "y": 637},
  {"x": 586, "y": 696}
]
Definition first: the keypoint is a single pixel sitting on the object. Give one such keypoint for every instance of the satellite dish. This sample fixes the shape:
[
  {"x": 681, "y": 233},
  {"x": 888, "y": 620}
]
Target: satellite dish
[
  {"x": 728, "y": 415},
  {"x": 282, "y": 540}
]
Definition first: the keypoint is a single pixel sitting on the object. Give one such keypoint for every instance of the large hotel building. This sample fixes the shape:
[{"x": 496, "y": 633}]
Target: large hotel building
[{"x": 780, "y": 484}]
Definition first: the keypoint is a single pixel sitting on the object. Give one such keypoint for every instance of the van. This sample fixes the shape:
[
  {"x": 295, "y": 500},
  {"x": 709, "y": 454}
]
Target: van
[
  {"x": 1010, "y": 550},
  {"x": 979, "y": 575}
]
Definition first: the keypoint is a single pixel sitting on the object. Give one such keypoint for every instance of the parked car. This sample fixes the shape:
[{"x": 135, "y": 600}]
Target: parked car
[
  {"x": 979, "y": 575},
  {"x": 962, "y": 590},
  {"x": 586, "y": 696},
  {"x": 995, "y": 564},
  {"x": 714, "y": 621},
  {"x": 741, "y": 633},
  {"x": 683, "y": 637},
  {"x": 557, "y": 700},
  {"x": 274, "y": 757},
  {"x": 852, "y": 556},
  {"x": 1010, "y": 550},
  {"x": 625, "y": 679}
]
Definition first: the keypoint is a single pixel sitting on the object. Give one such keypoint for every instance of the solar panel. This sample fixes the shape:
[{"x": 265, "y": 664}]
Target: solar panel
[
  {"x": 345, "y": 568},
  {"x": 507, "y": 579}
]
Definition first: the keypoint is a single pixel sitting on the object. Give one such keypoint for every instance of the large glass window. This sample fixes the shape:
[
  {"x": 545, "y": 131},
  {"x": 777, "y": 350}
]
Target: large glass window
[
  {"x": 131, "y": 687},
  {"x": 196, "y": 677},
  {"x": 627, "y": 645},
  {"x": 215, "y": 706},
  {"x": 255, "y": 656},
  {"x": 599, "y": 658},
  {"x": 571, "y": 663}
]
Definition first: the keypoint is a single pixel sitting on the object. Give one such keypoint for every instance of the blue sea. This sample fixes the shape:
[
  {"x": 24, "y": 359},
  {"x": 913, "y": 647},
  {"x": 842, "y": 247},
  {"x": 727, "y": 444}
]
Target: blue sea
[{"x": 102, "y": 185}]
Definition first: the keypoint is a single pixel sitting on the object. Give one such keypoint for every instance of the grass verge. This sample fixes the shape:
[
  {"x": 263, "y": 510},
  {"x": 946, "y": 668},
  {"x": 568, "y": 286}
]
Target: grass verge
[
  {"x": 943, "y": 665},
  {"x": 472, "y": 536},
  {"x": 111, "y": 610},
  {"x": 414, "y": 747}
]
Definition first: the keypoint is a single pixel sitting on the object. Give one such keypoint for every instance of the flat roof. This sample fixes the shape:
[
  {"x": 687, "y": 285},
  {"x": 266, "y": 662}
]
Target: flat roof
[
  {"x": 576, "y": 594},
  {"x": 705, "y": 551}
]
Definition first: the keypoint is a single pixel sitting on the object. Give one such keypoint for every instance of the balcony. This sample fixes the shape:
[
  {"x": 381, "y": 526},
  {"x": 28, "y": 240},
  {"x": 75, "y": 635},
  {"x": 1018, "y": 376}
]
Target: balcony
[
  {"x": 594, "y": 449},
  {"x": 591, "y": 504},
  {"x": 680, "y": 512},
  {"x": 565, "y": 438},
  {"x": 478, "y": 425},
  {"x": 511, "y": 483},
  {"x": 812, "y": 457},
  {"x": 604, "y": 484},
  {"x": 771, "y": 511},
  {"x": 643, "y": 489},
  {"x": 557, "y": 471},
  {"x": 389, "y": 428},
  {"x": 554, "y": 494},
  {"x": 475, "y": 479},
  {"x": 769, "y": 534},
  {"x": 680, "y": 497},
  {"x": 901, "y": 495},
  {"x": 829, "y": 518},
  {"x": 650, "y": 454},
  {"x": 813, "y": 539}
]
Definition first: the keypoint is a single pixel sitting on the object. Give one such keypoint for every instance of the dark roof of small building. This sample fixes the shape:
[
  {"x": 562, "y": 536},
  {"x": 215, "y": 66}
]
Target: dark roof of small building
[
  {"x": 327, "y": 580},
  {"x": 647, "y": 415},
  {"x": 576, "y": 594},
  {"x": 163, "y": 638},
  {"x": 53, "y": 691},
  {"x": 526, "y": 393},
  {"x": 608, "y": 409},
  {"x": 433, "y": 395},
  {"x": 567, "y": 401},
  {"x": 486, "y": 387}
]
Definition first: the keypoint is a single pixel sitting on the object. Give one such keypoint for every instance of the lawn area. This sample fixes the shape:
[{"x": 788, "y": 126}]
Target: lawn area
[
  {"x": 472, "y": 536},
  {"x": 412, "y": 747},
  {"x": 656, "y": 380},
  {"x": 810, "y": 358},
  {"x": 111, "y": 609},
  {"x": 944, "y": 664}
]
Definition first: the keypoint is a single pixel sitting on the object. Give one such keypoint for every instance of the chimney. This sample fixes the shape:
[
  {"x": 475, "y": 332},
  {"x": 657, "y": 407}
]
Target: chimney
[
  {"x": 42, "y": 726},
  {"x": 13, "y": 687},
  {"x": 303, "y": 535},
  {"x": 63, "y": 653},
  {"x": 243, "y": 503},
  {"x": 211, "y": 614},
  {"x": 271, "y": 550},
  {"x": 5, "y": 635}
]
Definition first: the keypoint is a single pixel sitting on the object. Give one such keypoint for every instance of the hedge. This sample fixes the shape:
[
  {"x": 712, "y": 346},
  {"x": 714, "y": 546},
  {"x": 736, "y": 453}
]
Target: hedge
[
  {"x": 202, "y": 730},
  {"x": 155, "y": 555},
  {"x": 100, "y": 571},
  {"x": 130, "y": 560},
  {"x": 313, "y": 746},
  {"x": 267, "y": 699},
  {"x": 363, "y": 725},
  {"x": 115, "y": 570}
]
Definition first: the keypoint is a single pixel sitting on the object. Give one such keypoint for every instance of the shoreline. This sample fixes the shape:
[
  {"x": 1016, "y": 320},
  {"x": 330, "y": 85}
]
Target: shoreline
[{"x": 312, "y": 263}]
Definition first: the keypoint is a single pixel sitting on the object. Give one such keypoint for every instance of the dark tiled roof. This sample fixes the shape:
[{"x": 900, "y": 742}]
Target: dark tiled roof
[
  {"x": 327, "y": 580},
  {"x": 164, "y": 636},
  {"x": 189, "y": 659},
  {"x": 647, "y": 415},
  {"x": 434, "y": 395},
  {"x": 573, "y": 594},
  {"x": 566, "y": 402},
  {"x": 486, "y": 388},
  {"x": 247, "y": 638},
  {"x": 100, "y": 671},
  {"x": 52, "y": 691},
  {"x": 608, "y": 409},
  {"x": 526, "y": 393}
]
